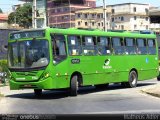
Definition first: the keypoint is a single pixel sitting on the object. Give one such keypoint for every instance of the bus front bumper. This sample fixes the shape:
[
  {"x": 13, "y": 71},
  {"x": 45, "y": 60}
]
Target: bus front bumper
[{"x": 48, "y": 83}]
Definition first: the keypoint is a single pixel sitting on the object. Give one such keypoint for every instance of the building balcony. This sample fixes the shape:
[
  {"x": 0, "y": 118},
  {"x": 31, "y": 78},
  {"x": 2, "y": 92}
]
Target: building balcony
[{"x": 130, "y": 13}]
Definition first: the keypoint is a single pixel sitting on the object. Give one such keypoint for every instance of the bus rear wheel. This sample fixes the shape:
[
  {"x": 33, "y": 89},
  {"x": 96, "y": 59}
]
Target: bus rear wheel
[
  {"x": 132, "y": 80},
  {"x": 38, "y": 92},
  {"x": 74, "y": 86},
  {"x": 158, "y": 78}
]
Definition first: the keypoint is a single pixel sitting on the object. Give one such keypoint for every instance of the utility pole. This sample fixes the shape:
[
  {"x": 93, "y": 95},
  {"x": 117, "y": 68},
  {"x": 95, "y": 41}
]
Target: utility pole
[
  {"x": 104, "y": 12},
  {"x": 15, "y": 21},
  {"x": 69, "y": 13},
  {"x": 35, "y": 14}
]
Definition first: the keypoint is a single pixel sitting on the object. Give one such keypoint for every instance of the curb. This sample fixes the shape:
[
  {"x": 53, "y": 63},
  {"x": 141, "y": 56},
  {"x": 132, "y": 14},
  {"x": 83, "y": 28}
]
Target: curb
[{"x": 151, "y": 93}]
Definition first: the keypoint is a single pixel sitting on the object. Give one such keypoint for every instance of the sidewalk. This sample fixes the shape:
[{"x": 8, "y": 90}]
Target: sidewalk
[{"x": 153, "y": 90}]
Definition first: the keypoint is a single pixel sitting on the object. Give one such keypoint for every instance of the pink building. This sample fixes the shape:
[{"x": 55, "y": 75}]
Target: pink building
[
  {"x": 3, "y": 21},
  {"x": 61, "y": 13}
]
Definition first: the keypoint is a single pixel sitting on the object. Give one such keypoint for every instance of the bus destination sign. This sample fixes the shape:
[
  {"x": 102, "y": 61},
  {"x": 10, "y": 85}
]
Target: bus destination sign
[{"x": 27, "y": 34}]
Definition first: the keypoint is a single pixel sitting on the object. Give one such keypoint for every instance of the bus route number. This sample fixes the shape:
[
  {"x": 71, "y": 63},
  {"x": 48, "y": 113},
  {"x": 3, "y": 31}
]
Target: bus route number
[{"x": 75, "y": 61}]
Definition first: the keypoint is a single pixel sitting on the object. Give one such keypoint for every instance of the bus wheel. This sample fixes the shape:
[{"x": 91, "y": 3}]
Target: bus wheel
[
  {"x": 37, "y": 92},
  {"x": 132, "y": 81},
  {"x": 158, "y": 78},
  {"x": 74, "y": 86}
]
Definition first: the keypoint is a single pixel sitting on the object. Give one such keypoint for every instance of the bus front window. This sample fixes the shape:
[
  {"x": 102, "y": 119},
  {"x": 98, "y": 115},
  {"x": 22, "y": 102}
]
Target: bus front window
[
  {"x": 28, "y": 54},
  {"x": 59, "y": 48}
]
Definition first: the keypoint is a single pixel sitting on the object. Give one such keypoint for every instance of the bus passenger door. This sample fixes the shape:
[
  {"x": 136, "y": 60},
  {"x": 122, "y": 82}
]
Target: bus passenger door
[{"x": 60, "y": 60}]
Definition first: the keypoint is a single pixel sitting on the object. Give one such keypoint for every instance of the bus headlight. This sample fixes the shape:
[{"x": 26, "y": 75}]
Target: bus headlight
[{"x": 45, "y": 75}]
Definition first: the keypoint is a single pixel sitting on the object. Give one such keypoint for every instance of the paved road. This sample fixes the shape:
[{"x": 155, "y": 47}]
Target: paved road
[{"x": 115, "y": 100}]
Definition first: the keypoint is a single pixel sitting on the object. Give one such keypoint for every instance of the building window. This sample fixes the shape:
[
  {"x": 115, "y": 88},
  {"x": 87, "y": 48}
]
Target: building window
[
  {"x": 113, "y": 11},
  {"x": 135, "y": 27},
  {"x": 93, "y": 15},
  {"x": 85, "y": 15},
  {"x": 101, "y": 15},
  {"x": 135, "y": 17},
  {"x": 66, "y": 9},
  {"x": 92, "y": 23},
  {"x": 86, "y": 24},
  {"x": 122, "y": 27},
  {"x": 99, "y": 24},
  {"x": 146, "y": 27},
  {"x": 112, "y": 19},
  {"x": 122, "y": 18},
  {"x": 146, "y": 18},
  {"x": 134, "y": 9},
  {"x": 102, "y": 23},
  {"x": 78, "y": 15},
  {"x": 98, "y": 16},
  {"x": 58, "y": 10},
  {"x": 79, "y": 23},
  {"x": 146, "y": 10}
]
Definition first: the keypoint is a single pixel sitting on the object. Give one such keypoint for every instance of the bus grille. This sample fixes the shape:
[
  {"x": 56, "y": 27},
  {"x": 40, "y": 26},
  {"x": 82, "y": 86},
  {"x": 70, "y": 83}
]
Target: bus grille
[{"x": 34, "y": 73}]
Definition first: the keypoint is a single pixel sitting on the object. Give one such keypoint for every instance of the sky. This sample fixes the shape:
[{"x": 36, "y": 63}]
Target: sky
[{"x": 6, "y": 5}]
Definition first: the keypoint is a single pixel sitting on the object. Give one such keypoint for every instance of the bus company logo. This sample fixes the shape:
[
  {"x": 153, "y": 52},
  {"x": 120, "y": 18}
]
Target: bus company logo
[
  {"x": 106, "y": 64},
  {"x": 75, "y": 61}
]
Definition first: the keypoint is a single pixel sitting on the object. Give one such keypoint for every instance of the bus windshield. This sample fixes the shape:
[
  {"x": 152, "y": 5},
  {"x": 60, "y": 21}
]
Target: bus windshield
[{"x": 28, "y": 54}]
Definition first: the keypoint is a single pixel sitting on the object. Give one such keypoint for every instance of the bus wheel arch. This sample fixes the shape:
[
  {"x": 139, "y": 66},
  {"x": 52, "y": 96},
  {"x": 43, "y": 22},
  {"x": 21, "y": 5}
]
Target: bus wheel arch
[
  {"x": 79, "y": 77},
  {"x": 132, "y": 78},
  {"x": 75, "y": 82},
  {"x": 134, "y": 69}
]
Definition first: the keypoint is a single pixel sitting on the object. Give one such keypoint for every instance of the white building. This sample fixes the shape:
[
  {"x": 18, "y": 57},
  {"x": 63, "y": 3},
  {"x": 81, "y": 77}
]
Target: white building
[
  {"x": 92, "y": 18},
  {"x": 126, "y": 16},
  {"x": 130, "y": 16}
]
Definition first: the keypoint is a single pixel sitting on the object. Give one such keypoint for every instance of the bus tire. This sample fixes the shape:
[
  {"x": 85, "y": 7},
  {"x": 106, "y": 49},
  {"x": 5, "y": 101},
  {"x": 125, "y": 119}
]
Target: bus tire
[
  {"x": 38, "y": 92},
  {"x": 158, "y": 78},
  {"x": 74, "y": 86},
  {"x": 132, "y": 80}
]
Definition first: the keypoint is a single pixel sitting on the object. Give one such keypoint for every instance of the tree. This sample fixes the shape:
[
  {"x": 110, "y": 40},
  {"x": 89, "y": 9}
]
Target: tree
[
  {"x": 1, "y": 10},
  {"x": 22, "y": 16}
]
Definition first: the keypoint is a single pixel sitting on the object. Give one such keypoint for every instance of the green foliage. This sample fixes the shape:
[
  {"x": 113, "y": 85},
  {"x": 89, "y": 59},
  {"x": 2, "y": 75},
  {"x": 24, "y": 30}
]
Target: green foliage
[
  {"x": 4, "y": 69},
  {"x": 22, "y": 16},
  {"x": 3, "y": 66}
]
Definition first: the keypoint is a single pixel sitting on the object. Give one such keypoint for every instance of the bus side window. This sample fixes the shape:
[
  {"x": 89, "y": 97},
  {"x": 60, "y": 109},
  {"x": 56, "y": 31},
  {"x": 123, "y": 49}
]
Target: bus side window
[
  {"x": 118, "y": 47},
  {"x": 141, "y": 46},
  {"x": 103, "y": 46},
  {"x": 88, "y": 45},
  {"x": 74, "y": 45},
  {"x": 130, "y": 46},
  {"x": 151, "y": 46}
]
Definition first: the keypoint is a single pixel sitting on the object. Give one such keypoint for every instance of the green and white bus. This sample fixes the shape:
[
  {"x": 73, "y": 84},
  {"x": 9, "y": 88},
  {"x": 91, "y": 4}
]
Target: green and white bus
[{"x": 53, "y": 58}]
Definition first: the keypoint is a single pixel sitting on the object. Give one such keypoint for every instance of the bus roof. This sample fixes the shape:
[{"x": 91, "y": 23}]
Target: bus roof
[
  {"x": 91, "y": 32},
  {"x": 94, "y": 32}
]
